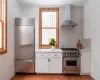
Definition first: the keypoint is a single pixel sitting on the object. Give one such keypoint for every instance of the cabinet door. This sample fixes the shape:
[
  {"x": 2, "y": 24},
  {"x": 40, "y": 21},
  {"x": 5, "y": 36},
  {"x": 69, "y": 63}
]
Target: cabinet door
[
  {"x": 42, "y": 65},
  {"x": 85, "y": 63},
  {"x": 56, "y": 65}
]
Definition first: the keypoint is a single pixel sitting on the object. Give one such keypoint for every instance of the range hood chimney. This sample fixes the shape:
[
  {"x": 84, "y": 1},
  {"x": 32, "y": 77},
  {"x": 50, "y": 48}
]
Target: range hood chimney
[{"x": 68, "y": 22}]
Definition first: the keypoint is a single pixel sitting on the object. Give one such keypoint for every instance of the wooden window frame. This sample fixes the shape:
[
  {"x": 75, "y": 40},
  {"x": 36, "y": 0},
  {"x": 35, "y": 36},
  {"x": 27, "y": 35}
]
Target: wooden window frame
[
  {"x": 4, "y": 32},
  {"x": 40, "y": 27}
]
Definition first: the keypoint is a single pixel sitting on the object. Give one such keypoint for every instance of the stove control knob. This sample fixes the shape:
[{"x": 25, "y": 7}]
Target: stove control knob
[
  {"x": 73, "y": 53},
  {"x": 77, "y": 54},
  {"x": 67, "y": 54},
  {"x": 64, "y": 53}
]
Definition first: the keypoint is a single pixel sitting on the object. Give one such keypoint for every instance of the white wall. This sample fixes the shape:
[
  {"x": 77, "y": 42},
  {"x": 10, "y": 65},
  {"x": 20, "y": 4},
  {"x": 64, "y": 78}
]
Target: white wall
[
  {"x": 68, "y": 36},
  {"x": 95, "y": 23},
  {"x": 7, "y": 60},
  {"x": 94, "y": 11},
  {"x": 87, "y": 27}
]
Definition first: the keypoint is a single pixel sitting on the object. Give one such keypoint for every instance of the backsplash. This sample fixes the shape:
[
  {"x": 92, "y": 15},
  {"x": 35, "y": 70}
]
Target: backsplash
[
  {"x": 68, "y": 36},
  {"x": 87, "y": 43}
]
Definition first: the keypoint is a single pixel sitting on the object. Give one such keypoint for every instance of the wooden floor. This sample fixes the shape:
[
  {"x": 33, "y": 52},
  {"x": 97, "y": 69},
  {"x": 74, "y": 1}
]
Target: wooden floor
[{"x": 50, "y": 77}]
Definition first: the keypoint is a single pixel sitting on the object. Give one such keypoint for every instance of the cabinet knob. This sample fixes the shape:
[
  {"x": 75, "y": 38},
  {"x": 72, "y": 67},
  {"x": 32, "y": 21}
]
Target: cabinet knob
[{"x": 55, "y": 55}]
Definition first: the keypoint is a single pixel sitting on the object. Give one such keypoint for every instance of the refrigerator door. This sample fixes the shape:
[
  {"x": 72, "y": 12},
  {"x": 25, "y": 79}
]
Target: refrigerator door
[
  {"x": 25, "y": 21},
  {"x": 24, "y": 42}
]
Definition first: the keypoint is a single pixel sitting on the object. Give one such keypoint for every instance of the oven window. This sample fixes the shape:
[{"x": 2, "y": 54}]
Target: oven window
[{"x": 71, "y": 63}]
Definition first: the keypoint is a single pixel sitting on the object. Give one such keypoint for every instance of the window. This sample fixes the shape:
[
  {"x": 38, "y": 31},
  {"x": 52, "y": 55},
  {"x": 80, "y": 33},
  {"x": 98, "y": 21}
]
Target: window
[
  {"x": 3, "y": 25},
  {"x": 49, "y": 26}
]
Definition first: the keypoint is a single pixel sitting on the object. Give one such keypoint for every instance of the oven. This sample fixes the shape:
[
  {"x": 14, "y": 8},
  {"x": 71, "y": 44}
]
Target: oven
[
  {"x": 71, "y": 61},
  {"x": 71, "y": 65}
]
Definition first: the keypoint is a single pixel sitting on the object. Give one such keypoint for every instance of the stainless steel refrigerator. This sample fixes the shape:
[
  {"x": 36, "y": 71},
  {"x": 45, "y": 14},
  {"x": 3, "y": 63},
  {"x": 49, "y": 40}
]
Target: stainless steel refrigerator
[{"x": 25, "y": 45}]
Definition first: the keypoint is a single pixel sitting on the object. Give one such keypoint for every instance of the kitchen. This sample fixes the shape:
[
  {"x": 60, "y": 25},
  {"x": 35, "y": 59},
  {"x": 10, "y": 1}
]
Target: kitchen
[
  {"x": 44, "y": 59},
  {"x": 68, "y": 38}
]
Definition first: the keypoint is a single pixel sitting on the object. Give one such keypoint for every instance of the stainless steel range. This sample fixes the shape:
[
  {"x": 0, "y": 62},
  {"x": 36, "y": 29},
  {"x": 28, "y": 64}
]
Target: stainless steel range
[{"x": 71, "y": 61}]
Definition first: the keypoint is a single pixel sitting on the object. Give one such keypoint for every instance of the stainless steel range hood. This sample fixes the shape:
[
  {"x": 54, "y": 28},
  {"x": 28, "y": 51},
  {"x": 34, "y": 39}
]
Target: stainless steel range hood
[{"x": 68, "y": 22}]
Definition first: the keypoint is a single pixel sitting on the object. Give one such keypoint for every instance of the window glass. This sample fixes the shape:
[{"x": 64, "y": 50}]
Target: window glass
[
  {"x": 0, "y": 35},
  {"x": 47, "y": 34},
  {"x": 49, "y": 19}
]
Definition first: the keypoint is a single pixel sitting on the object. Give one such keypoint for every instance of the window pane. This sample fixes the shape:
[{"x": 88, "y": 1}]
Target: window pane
[
  {"x": 0, "y": 35},
  {"x": 3, "y": 10},
  {"x": 47, "y": 34},
  {"x": 0, "y": 9},
  {"x": 49, "y": 19},
  {"x": 0, "y": 42}
]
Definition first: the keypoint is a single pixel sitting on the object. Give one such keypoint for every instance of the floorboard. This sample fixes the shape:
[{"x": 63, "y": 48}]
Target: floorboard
[{"x": 49, "y": 77}]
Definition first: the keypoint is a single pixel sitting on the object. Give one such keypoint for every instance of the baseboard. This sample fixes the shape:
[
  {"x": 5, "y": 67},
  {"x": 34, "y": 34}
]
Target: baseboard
[
  {"x": 9, "y": 76},
  {"x": 49, "y": 73},
  {"x": 21, "y": 73},
  {"x": 12, "y": 76},
  {"x": 92, "y": 78},
  {"x": 84, "y": 73}
]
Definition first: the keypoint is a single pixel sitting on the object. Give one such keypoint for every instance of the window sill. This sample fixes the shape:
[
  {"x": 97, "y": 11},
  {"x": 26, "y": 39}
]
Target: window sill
[
  {"x": 47, "y": 46},
  {"x": 3, "y": 51}
]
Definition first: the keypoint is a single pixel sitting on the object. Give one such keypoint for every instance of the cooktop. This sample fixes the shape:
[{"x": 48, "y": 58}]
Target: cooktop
[{"x": 71, "y": 49}]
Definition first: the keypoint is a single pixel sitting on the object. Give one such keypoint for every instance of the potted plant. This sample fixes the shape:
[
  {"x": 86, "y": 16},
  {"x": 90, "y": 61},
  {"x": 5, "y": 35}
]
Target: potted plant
[{"x": 52, "y": 43}]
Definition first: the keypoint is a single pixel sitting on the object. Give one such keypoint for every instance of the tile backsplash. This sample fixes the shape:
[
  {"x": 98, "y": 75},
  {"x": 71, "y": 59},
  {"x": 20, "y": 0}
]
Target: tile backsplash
[
  {"x": 87, "y": 43},
  {"x": 68, "y": 36}
]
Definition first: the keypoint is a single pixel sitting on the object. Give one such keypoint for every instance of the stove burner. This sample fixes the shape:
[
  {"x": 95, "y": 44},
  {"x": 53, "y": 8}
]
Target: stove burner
[
  {"x": 71, "y": 52},
  {"x": 69, "y": 49}
]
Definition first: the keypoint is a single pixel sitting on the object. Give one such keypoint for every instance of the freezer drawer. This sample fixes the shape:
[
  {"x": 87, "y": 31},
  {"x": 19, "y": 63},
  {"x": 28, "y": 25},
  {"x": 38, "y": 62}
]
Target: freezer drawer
[{"x": 24, "y": 66}]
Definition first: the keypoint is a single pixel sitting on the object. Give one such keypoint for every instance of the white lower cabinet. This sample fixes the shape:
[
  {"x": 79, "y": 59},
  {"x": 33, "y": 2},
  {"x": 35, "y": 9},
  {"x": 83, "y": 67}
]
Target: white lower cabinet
[
  {"x": 42, "y": 65},
  {"x": 85, "y": 63},
  {"x": 48, "y": 64},
  {"x": 56, "y": 65}
]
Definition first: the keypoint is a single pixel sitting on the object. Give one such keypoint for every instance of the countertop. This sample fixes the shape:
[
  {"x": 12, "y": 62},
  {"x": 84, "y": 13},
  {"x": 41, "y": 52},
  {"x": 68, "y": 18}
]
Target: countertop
[
  {"x": 48, "y": 50},
  {"x": 86, "y": 49},
  {"x": 59, "y": 50}
]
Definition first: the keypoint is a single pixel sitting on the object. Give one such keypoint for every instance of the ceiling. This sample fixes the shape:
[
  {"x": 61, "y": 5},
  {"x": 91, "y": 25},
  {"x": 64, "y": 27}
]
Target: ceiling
[{"x": 52, "y": 2}]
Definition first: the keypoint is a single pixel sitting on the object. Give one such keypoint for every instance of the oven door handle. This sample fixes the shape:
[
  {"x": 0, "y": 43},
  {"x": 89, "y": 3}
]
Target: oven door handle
[{"x": 71, "y": 59}]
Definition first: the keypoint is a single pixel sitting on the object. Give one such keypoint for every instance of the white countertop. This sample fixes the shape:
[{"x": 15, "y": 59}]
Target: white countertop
[
  {"x": 59, "y": 50},
  {"x": 48, "y": 50},
  {"x": 86, "y": 49}
]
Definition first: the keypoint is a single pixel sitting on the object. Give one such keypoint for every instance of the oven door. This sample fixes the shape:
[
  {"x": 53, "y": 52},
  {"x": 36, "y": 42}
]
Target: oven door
[{"x": 71, "y": 64}]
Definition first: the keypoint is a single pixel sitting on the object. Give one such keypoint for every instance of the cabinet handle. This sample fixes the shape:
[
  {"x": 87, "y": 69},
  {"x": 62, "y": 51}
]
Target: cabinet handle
[
  {"x": 42, "y": 55},
  {"x": 55, "y": 55},
  {"x": 48, "y": 60}
]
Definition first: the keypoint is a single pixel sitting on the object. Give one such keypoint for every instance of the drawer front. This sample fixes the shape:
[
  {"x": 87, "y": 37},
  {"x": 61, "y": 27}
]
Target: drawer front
[
  {"x": 56, "y": 54},
  {"x": 42, "y": 55},
  {"x": 22, "y": 66}
]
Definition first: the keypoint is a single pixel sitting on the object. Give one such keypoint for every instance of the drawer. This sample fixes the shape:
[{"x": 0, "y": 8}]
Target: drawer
[
  {"x": 24, "y": 66},
  {"x": 56, "y": 55},
  {"x": 42, "y": 54}
]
